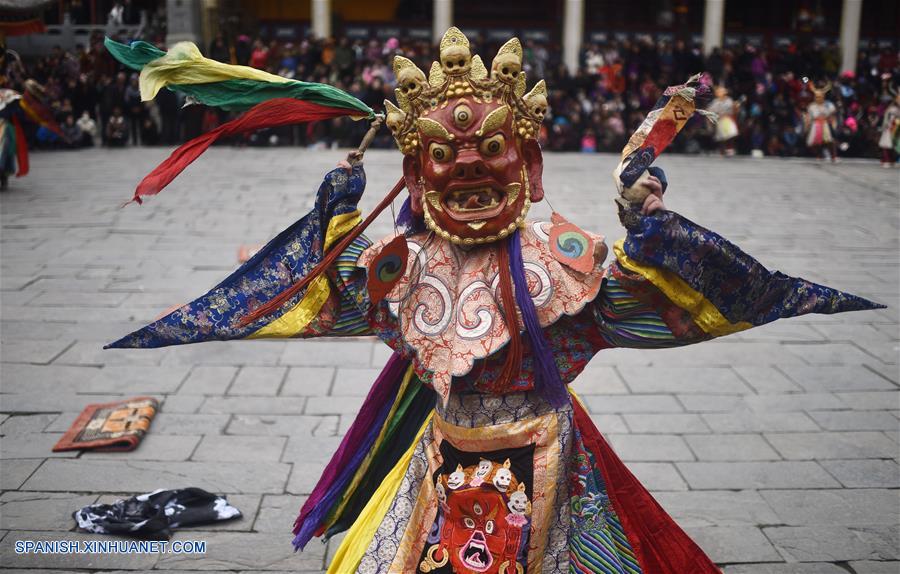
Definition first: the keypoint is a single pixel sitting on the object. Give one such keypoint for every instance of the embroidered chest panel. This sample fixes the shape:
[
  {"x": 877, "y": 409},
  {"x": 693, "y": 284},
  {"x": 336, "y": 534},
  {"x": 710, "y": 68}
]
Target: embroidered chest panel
[{"x": 448, "y": 303}]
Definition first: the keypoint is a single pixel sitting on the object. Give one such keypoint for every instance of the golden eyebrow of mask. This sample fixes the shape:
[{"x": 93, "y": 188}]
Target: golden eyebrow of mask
[
  {"x": 493, "y": 121},
  {"x": 433, "y": 129}
]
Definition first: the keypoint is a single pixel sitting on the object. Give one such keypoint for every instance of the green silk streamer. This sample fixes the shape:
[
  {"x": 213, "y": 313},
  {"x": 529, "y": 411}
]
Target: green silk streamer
[
  {"x": 135, "y": 56},
  {"x": 239, "y": 94},
  {"x": 414, "y": 408}
]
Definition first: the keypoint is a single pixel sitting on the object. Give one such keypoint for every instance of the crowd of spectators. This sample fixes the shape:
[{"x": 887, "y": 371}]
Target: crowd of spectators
[{"x": 594, "y": 110}]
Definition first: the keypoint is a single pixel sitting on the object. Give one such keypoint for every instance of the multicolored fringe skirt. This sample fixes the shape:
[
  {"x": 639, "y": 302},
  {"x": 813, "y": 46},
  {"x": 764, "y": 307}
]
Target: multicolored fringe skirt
[{"x": 498, "y": 485}]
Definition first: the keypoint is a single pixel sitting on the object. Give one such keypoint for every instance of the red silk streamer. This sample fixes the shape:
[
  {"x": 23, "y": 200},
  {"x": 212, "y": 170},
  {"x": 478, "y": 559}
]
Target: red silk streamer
[
  {"x": 659, "y": 544},
  {"x": 40, "y": 114},
  {"x": 21, "y": 148},
  {"x": 23, "y": 28},
  {"x": 275, "y": 302},
  {"x": 269, "y": 114},
  {"x": 514, "y": 350}
]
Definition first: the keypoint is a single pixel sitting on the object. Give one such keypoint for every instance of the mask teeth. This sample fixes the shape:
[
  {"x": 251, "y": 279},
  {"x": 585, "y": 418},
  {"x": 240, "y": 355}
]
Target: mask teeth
[{"x": 433, "y": 226}]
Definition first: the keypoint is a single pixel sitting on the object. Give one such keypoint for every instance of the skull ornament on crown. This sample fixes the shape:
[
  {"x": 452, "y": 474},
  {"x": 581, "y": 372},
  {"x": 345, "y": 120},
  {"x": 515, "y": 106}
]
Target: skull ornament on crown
[{"x": 472, "y": 163}]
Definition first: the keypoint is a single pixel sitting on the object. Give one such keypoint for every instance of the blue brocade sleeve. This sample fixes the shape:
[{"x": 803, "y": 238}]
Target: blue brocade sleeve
[
  {"x": 674, "y": 283},
  {"x": 738, "y": 285},
  {"x": 280, "y": 263}
]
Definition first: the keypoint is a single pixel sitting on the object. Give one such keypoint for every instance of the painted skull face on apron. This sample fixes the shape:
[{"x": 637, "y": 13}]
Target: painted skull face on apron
[{"x": 483, "y": 518}]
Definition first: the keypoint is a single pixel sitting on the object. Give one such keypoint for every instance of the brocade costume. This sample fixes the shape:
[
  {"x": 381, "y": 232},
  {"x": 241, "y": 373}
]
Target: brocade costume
[
  {"x": 15, "y": 109},
  {"x": 821, "y": 115},
  {"x": 469, "y": 455}
]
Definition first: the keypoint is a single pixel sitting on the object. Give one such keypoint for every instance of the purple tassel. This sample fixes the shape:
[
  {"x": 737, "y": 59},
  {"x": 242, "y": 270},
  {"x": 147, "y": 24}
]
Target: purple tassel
[
  {"x": 547, "y": 380},
  {"x": 408, "y": 220},
  {"x": 317, "y": 514}
]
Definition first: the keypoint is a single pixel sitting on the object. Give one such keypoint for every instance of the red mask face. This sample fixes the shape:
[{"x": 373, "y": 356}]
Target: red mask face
[
  {"x": 473, "y": 175},
  {"x": 476, "y": 532}
]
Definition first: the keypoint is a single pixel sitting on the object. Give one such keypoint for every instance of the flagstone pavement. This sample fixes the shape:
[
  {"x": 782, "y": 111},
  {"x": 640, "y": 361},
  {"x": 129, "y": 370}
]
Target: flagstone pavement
[{"x": 776, "y": 449}]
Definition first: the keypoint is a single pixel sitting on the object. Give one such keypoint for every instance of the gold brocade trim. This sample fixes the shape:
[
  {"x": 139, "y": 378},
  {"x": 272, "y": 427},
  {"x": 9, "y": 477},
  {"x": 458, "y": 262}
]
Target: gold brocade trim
[
  {"x": 340, "y": 225},
  {"x": 543, "y": 433},
  {"x": 301, "y": 315},
  {"x": 411, "y": 544},
  {"x": 702, "y": 311}
]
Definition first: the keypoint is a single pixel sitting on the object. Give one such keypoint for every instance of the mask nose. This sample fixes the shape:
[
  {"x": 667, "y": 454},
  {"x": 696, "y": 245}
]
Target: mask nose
[{"x": 469, "y": 165}]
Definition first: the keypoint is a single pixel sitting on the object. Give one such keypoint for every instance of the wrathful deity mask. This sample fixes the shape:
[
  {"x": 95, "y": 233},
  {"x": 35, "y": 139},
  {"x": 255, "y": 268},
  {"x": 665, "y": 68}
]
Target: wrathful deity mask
[
  {"x": 477, "y": 534},
  {"x": 473, "y": 165},
  {"x": 485, "y": 514}
]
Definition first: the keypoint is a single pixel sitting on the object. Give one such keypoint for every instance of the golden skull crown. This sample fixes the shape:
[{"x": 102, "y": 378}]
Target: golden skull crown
[{"x": 458, "y": 74}]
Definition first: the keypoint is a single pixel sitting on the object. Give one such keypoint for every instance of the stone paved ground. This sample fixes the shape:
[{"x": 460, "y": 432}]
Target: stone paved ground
[{"x": 776, "y": 449}]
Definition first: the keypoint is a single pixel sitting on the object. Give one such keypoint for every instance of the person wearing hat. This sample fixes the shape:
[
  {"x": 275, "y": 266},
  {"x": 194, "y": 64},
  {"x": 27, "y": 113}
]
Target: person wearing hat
[
  {"x": 889, "y": 142},
  {"x": 820, "y": 121}
]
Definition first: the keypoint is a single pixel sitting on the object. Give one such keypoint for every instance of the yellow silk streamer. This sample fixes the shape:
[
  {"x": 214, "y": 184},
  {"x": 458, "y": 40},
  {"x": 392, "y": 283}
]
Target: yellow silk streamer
[
  {"x": 32, "y": 115},
  {"x": 364, "y": 466},
  {"x": 184, "y": 64},
  {"x": 360, "y": 535},
  {"x": 702, "y": 311},
  {"x": 578, "y": 399},
  {"x": 308, "y": 308}
]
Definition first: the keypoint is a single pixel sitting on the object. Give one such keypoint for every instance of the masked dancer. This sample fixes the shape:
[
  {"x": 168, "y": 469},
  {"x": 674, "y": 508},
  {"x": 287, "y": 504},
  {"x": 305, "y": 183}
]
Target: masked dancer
[{"x": 470, "y": 453}]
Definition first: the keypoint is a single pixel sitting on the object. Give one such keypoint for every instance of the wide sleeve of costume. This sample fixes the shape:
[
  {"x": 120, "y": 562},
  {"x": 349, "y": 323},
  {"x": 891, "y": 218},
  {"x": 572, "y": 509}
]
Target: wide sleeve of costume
[
  {"x": 329, "y": 306},
  {"x": 674, "y": 282}
]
